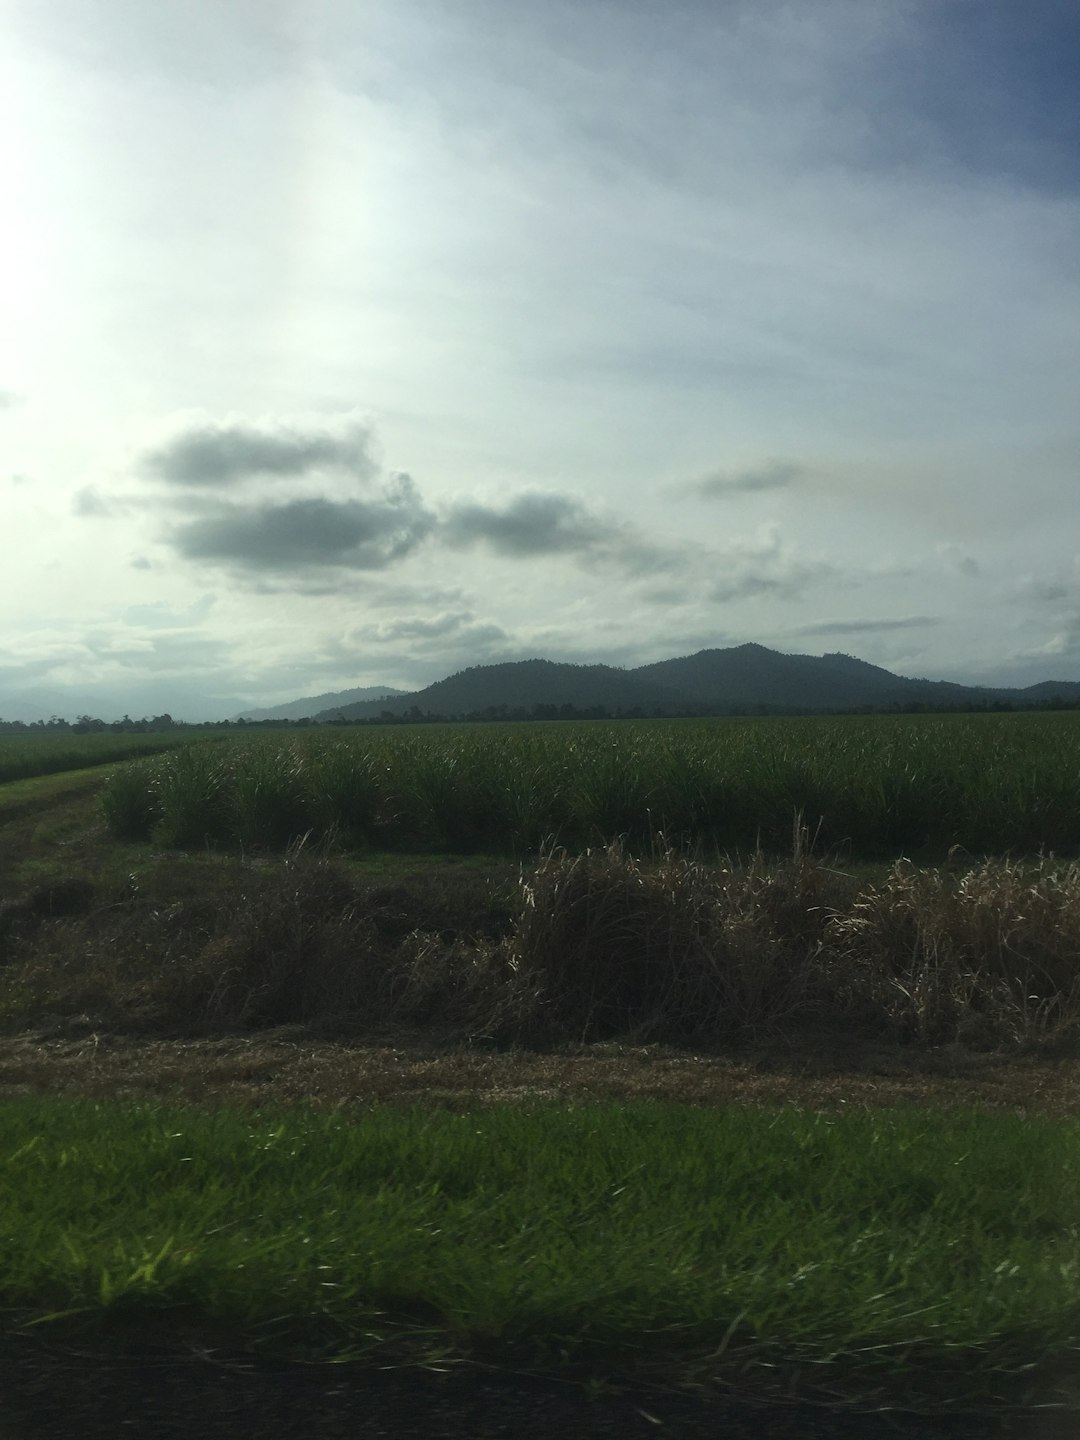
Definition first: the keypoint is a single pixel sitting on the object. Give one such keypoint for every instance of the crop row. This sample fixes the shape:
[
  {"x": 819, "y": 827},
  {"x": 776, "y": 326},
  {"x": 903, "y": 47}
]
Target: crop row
[
  {"x": 872, "y": 785},
  {"x": 23, "y": 756}
]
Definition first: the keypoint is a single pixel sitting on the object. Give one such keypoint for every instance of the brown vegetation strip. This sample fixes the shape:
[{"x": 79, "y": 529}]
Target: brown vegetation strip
[{"x": 294, "y": 1066}]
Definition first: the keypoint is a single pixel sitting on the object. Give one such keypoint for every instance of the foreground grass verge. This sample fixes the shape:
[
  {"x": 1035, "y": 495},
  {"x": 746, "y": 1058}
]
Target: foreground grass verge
[{"x": 911, "y": 1257}]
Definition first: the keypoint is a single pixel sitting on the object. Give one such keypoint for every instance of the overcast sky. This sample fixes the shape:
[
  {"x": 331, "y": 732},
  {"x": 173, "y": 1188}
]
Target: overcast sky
[{"x": 353, "y": 343}]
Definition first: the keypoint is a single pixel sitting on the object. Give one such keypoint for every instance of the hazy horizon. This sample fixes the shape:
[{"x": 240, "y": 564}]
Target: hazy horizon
[{"x": 345, "y": 347}]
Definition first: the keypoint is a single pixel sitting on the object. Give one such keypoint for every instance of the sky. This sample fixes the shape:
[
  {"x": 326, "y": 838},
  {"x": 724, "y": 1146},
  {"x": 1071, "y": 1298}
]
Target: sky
[{"x": 348, "y": 344}]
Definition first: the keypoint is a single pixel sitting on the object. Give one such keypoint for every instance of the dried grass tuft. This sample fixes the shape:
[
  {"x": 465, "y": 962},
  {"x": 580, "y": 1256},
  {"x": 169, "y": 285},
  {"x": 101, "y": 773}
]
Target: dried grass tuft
[
  {"x": 594, "y": 946},
  {"x": 988, "y": 957},
  {"x": 606, "y": 944}
]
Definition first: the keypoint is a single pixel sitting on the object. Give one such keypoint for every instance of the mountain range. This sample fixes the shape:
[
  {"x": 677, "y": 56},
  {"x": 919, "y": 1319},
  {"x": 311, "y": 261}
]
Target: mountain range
[
  {"x": 314, "y": 704},
  {"x": 743, "y": 678}
]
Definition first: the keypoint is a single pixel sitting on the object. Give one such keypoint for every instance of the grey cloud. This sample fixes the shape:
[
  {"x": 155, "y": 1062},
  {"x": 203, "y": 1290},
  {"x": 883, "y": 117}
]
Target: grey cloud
[
  {"x": 865, "y": 627},
  {"x": 187, "y": 650},
  {"x": 383, "y": 595},
  {"x": 534, "y": 523},
  {"x": 19, "y": 479},
  {"x": 777, "y": 475},
  {"x": 640, "y": 557},
  {"x": 18, "y": 672},
  {"x": 90, "y": 502},
  {"x": 666, "y": 595},
  {"x": 312, "y": 533},
  {"x": 1051, "y": 591},
  {"x": 957, "y": 558},
  {"x": 765, "y": 566},
  {"x": 542, "y": 523},
  {"x": 1061, "y": 586},
  {"x": 371, "y": 590},
  {"x": 413, "y": 650},
  {"x": 327, "y": 582},
  {"x": 159, "y": 616},
  {"x": 48, "y": 655},
  {"x": 210, "y": 452},
  {"x": 461, "y": 625},
  {"x": 747, "y": 585},
  {"x": 9, "y": 399},
  {"x": 1062, "y": 649}
]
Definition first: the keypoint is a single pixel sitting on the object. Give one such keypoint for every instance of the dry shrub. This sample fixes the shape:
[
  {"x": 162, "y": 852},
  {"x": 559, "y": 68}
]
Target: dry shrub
[
  {"x": 224, "y": 944},
  {"x": 988, "y": 957},
  {"x": 595, "y": 946},
  {"x": 606, "y": 944},
  {"x": 281, "y": 953},
  {"x": 456, "y": 985},
  {"x": 241, "y": 946},
  {"x": 317, "y": 949}
]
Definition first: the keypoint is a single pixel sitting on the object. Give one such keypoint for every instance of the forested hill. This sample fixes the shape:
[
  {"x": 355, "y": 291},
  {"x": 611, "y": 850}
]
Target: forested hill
[
  {"x": 751, "y": 675},
  {"x": 744, "y": 678},
  {"x": 524, "y": 684}
]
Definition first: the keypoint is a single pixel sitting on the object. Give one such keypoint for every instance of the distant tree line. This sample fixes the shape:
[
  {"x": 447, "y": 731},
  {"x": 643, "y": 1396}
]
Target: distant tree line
[
  {"x": 501, "y": 714},
  {"x": 91, "y": 725}
]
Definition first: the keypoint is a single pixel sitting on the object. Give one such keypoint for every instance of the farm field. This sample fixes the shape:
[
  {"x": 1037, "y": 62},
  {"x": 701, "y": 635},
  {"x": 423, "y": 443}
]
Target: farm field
[
  {"x": 25, "y": 755},
  {"x": 374, "y": 967},
  {"x": 875, "y": 786}
]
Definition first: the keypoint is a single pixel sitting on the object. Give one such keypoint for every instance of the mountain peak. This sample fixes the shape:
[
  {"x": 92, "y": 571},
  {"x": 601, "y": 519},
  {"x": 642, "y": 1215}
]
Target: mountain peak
[{"x": 741, "y": 679}]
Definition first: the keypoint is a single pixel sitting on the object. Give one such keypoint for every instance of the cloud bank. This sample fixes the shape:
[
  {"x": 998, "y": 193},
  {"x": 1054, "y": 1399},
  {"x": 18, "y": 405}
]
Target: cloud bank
[
  {"x": 531, "y": 524},
  {"x": 208, "y": 452},
  {"x": 297, "y": 517},
  {"x": 720, "y": 484},
  {"x": 866, "y": 627},
  {"x": 311, "y": 533}
]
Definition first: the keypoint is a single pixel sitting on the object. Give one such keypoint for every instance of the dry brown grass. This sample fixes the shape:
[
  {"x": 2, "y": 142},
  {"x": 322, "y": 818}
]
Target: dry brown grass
[
  {"x": 213, "y": 946},
  {"x": 991, "y": 957},
  {"x": 581, "y": 949},
  {"x": 605, "y": 944},
  {"x": 297, "y": 1066}
]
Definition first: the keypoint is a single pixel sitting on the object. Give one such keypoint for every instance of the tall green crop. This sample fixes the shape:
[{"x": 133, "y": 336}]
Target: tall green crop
[{"x": 876, "y": 786}]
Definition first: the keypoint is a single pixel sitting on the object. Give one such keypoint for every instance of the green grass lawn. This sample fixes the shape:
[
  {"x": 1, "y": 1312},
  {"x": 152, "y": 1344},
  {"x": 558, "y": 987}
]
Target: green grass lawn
[{"x": 911, "y": 1253}]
